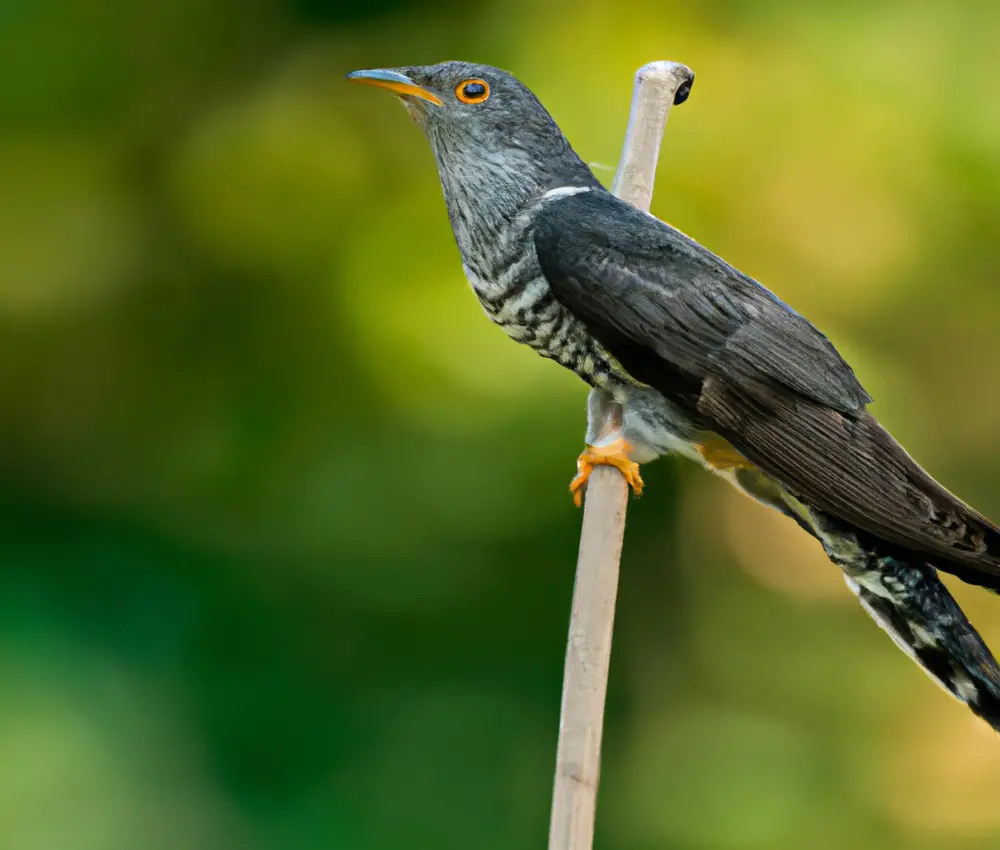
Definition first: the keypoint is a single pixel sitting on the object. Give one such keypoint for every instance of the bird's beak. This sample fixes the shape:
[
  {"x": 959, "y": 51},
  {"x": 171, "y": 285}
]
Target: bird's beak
[{"x": 395, "y": 82}]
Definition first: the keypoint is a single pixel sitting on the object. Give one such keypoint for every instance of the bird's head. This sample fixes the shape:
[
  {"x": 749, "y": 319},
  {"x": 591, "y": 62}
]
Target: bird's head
[
  {"x": 462, "y": 100},
  {"x": 489, "y": 133}
]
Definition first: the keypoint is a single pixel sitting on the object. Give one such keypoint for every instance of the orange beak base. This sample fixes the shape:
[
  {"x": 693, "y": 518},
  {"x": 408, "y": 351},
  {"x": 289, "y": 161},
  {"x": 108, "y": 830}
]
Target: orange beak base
[{"x": 394, "y": 82}]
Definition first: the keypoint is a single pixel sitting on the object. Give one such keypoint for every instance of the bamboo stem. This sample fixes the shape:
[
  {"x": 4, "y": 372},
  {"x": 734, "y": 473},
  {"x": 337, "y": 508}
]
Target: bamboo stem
[{"x": 588, "y": 650}]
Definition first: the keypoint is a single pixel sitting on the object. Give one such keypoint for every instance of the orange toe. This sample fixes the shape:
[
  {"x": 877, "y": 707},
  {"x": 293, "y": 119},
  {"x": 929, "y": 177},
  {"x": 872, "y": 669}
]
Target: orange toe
[{"x": 613, "y": 454}]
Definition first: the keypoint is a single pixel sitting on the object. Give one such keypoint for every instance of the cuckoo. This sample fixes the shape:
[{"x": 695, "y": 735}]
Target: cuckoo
[{"x": 687, "y": 355}]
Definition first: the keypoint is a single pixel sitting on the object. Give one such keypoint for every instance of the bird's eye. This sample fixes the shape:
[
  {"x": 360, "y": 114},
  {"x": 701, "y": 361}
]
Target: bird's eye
[{"x": 473, "y": 91}]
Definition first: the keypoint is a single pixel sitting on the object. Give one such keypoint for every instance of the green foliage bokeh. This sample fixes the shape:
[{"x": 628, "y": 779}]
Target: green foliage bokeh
[{"x": 286, "y": 550}]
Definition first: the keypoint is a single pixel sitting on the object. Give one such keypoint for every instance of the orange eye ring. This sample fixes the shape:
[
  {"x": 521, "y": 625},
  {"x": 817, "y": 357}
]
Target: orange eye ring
[{"x": 472, "y": 91}]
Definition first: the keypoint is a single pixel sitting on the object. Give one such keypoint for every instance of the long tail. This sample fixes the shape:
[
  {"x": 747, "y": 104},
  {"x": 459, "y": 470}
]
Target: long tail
[
  {"x": 901, "y": 590},
  {"x": 908, "y": 600}
]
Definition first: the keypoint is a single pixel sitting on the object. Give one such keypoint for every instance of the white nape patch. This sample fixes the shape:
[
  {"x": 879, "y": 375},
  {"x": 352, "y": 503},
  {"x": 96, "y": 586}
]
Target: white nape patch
[{"x": 565, "y": 192}]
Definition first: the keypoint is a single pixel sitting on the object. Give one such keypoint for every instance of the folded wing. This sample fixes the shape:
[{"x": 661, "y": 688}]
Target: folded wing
[{"x": 683, "y": 321}]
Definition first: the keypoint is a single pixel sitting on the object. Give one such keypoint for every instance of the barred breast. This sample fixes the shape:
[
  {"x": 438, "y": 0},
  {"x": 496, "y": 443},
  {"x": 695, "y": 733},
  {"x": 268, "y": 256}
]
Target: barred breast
[
  {"x": 506, "y": 276},
  {"x": 521, "y": 302}
]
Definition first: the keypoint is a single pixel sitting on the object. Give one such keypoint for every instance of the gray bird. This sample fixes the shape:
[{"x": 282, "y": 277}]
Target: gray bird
[{"x": 687, "y": 355}]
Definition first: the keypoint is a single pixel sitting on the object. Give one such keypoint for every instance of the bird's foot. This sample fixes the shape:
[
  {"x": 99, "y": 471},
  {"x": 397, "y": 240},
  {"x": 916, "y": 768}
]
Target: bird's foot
[
  {"x": 613, "y": 454},
  {"x": 719, "y": 455}
]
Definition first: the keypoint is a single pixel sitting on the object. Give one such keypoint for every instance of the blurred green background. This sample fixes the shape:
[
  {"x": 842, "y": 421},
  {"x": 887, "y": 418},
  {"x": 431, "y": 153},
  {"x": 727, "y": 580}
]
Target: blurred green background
[{"x": 286, "y": 551}]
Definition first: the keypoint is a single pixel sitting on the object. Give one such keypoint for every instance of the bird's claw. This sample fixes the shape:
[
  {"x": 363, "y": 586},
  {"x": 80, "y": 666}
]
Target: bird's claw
[{"x": 613, "y": 454}]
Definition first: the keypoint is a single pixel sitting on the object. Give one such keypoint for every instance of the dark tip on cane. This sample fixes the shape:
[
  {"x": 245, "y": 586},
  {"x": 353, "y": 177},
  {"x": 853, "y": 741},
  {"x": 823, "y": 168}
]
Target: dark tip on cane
[{"x": 683, "y": 91}]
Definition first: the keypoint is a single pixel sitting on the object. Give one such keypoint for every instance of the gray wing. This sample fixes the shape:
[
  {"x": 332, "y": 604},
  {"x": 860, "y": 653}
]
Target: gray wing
[
  {"x": 625, "y": 270},
  {"x": 749, "y": 368}
]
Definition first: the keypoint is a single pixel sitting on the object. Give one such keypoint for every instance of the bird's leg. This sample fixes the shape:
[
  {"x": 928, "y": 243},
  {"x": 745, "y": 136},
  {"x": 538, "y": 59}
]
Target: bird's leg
[{"x": 605, "y": 446}]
